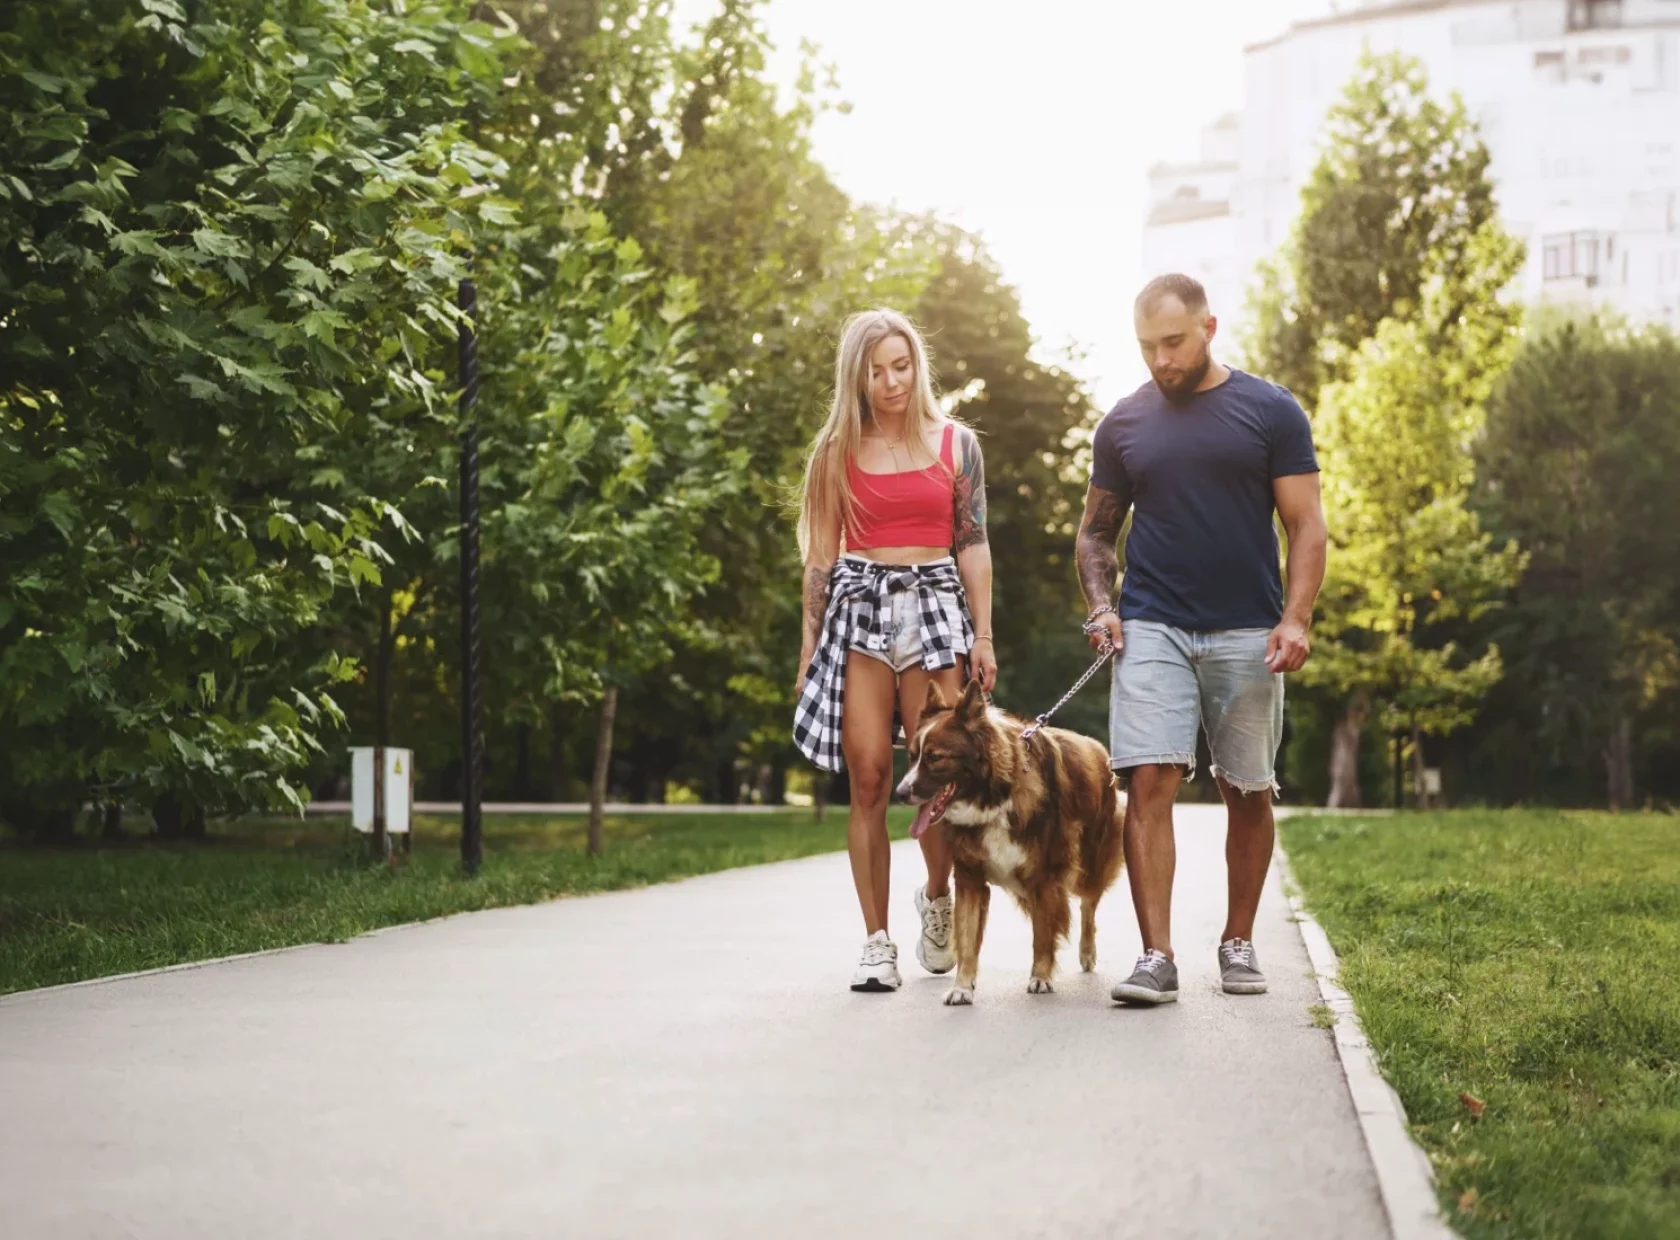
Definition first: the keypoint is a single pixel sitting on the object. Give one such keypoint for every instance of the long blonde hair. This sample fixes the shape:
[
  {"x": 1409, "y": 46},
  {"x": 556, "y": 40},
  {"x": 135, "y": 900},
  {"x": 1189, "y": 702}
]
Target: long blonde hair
[{"x": 826, "y": 495}]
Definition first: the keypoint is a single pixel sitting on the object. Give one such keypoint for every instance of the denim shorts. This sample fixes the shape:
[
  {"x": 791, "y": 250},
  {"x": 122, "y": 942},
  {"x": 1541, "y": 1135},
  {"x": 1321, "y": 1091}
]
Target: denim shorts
[{"x": 1168, "y": 682}]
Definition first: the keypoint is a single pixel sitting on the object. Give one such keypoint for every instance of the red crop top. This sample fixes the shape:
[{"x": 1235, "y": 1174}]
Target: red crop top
[{"x": 911, "y": 509}]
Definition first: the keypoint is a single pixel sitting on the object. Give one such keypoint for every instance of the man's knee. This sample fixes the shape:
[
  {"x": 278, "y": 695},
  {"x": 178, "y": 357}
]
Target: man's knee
[
  {"x": 1152, "y": 785},
  {"x": 1247, "y": 806}
]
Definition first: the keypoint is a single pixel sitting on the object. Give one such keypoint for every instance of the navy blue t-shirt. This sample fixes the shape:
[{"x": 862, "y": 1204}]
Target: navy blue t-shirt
[{"x": 1203, "y": 554}]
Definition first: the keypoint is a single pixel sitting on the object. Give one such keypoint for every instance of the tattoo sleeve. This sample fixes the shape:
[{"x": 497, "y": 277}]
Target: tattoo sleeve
[
  {"x": 816, "y": 597},
  {"x": 969, "y": 495},
  {"x": 1099, "y": 531}
]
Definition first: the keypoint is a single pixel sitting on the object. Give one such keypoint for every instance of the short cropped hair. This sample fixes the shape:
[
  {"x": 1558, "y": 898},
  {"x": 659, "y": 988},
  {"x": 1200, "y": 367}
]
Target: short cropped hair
[{"x": 1186, "y": 288}]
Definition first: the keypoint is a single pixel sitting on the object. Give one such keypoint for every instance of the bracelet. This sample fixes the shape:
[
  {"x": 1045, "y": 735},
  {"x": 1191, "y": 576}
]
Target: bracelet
[
  {"x": 1098, "y": 610},
  {"x": 984, "y": 637}
]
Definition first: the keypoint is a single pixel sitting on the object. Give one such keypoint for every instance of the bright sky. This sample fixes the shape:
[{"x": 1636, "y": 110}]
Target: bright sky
[{"x": 1034, "y": 124}]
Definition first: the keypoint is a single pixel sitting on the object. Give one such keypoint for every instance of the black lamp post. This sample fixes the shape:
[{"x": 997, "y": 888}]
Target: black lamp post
[{"x": 472, "y": 747}]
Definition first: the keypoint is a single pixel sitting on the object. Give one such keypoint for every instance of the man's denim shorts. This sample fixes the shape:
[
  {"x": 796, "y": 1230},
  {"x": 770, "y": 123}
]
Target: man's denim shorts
[{"x": 1167, "y": 682}]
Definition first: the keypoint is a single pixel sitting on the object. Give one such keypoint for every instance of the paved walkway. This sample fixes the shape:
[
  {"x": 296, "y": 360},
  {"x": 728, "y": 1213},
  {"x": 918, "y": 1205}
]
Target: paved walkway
[{"x": 684, "y": 1061}]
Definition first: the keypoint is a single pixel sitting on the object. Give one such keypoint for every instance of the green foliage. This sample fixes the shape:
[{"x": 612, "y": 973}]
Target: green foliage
[
  {"x": 1386, "y": 314},
  {"x": 1398, "y": 199},
  {"x": 1583, "y": 437},
  {"x": 1408, "y": 553},
  {"x": 228, "y": 242},
  {"x": 602, "y": 463},
  {"x": 695, "y": 156},
  {"x": 230, "y": 238},
  {"x": 1509, "y": 957}
]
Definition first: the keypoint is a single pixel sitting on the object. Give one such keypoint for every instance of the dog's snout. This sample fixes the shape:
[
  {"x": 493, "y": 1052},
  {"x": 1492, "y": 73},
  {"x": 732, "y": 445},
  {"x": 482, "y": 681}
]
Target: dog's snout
[{"x": 901, "y": 793}]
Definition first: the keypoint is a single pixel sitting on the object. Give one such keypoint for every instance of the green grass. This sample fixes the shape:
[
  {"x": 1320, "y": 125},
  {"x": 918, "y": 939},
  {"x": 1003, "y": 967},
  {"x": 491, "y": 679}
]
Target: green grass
[
  {"x": 66, "y": 915},
  {"x": 1528, "y": 960}
]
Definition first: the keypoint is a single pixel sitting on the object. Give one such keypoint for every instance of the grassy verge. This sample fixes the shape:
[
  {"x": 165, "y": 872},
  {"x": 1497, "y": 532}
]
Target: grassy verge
[
  {"x": 1515, "y": 972},
  {"x": 66, "y": 915}
]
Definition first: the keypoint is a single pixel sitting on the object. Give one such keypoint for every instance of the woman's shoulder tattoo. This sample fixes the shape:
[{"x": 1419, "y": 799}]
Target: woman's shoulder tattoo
[{"x": 970, "y": 493}]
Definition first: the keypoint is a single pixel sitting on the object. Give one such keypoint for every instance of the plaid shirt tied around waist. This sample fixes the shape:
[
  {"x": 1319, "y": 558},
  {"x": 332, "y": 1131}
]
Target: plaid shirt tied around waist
[{"x": 859, "y": 609}]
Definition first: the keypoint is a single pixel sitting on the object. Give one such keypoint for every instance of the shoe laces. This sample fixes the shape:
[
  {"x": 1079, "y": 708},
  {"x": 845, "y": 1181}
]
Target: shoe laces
[
  {"x": 936, "y": 919},
  {"x": 877, "y": 951},
  {"x": 1239, "y": 952},
  {"x": 1151, "y": 961}
]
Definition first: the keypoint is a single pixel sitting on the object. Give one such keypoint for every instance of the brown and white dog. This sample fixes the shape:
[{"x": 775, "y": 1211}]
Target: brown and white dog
[{"x": 1040, "y": 818}]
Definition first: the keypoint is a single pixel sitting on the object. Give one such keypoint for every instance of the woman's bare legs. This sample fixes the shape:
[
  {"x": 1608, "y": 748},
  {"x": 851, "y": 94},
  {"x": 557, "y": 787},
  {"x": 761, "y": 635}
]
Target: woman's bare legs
[
  {"x": 866, "y": 743},
  {"x": 912, "y": 695}
]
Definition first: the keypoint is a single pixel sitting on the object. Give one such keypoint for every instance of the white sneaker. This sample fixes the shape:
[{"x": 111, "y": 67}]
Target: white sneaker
[
  {"x": 933, "y": 949},
  {"x": 878, "y": 970}
]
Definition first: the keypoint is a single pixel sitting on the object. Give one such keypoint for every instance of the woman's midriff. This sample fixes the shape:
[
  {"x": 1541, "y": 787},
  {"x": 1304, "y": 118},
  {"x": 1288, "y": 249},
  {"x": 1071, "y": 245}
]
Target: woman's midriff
[{"x": 901, "y": 555}]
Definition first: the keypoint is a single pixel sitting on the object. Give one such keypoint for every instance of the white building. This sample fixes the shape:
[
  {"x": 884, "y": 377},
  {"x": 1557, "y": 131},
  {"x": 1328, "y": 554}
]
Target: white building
[
  {"x": 1190, "y": 226},
  {"x": 1578, "y": 100}
]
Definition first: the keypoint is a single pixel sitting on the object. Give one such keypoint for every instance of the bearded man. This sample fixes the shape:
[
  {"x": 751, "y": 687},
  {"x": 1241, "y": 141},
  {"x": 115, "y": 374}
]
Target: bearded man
[{"x": 1202, "y": 456}]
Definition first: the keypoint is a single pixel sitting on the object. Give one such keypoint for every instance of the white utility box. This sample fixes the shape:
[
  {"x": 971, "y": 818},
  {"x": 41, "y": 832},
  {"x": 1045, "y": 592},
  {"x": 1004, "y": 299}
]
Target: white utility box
[{"x": 399, "y": 788}]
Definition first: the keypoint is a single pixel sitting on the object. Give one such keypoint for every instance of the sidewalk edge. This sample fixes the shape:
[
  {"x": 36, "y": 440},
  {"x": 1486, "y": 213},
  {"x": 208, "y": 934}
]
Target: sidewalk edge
[
  {"x": 182, "y": 966},
  {"x": 1404, "y": 1177}
]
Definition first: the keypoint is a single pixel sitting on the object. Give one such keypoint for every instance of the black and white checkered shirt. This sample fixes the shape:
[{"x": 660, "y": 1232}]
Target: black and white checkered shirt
[{"x": 859, "y": 610}]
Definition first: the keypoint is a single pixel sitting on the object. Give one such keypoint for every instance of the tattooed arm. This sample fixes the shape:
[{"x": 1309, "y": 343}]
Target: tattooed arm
[
  {"x": 1099, "y": 560},
  {"x": 974, "y": 553},
  {"x": 819, "y": 563}
]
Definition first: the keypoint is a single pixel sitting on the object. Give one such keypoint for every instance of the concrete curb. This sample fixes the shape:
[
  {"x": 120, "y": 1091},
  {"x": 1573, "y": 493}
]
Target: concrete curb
[
  {"x": 19, "y": 996},
  {"x": 1404, "y": 1176}
]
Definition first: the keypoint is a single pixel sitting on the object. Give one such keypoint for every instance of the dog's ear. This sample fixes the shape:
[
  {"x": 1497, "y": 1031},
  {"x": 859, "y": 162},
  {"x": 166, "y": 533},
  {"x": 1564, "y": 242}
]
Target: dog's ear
[
  {"x": 972, "y": 703},
  {"x": 935, "y": 701}
]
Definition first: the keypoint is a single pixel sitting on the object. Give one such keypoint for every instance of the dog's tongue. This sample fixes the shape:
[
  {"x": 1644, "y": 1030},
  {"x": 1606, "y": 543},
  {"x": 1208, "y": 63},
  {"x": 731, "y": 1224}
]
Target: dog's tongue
[{"x": 930, "y": 812}]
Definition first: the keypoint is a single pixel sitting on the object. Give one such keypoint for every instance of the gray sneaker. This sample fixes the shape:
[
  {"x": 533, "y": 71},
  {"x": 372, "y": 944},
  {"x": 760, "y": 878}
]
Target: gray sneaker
[
  {"x": 1239, "y": 968},
  {"x": 1154, "y": 980}
]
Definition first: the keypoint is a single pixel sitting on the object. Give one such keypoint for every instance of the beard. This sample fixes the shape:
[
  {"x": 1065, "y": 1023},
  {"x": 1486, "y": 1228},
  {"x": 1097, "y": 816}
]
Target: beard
[{"x": 1178, "y": 386}]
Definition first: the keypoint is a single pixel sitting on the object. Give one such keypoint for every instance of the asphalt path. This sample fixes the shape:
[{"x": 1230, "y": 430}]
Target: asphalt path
[{"x": 687, "y": 1060}]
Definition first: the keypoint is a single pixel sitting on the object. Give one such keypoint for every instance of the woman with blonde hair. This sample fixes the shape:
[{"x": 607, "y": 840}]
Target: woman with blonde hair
[{"x": 898, "y": 592}]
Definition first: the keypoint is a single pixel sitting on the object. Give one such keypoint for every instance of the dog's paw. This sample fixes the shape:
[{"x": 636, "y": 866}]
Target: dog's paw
[
  {"x": 1088, "y": 961},
  {"x": 959, "y": 996},
  {"x": 1040, "y": 986}
]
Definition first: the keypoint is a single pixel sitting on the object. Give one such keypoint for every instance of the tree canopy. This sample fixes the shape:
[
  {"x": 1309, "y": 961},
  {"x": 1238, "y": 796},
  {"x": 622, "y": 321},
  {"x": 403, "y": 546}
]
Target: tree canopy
[{"x": 1387, "y": 313}]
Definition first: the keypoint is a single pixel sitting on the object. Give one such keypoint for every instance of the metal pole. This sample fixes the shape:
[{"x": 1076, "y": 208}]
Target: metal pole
[
  {"x": 472, "y": 748},
  {"x": 381, "y": 839}
]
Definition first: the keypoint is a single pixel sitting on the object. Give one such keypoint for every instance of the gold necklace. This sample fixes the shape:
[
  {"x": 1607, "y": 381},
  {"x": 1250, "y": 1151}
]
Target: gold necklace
[{"x": 892, "y": 450}]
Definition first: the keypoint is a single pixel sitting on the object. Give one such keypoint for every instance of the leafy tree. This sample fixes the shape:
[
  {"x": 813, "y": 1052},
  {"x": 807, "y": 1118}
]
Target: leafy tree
[
  {"x": 603, "y": 464},
  {"x": 1583, "y": 438},
  {"x": 1384, "y": 314},
  {"x": 1394, "y": 202},
  {"x": 686, "y": 148},
  {"x": 230, "y": 238},
  {"x": 725, "y": 243},
  {"x": 228, "y": 243},
  {"x": 1409, "y": 555}
]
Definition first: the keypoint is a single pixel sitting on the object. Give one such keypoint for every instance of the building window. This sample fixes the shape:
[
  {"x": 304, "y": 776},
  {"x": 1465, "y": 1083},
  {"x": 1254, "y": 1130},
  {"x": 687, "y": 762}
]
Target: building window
[
  {"x": 1594, "y": 14},
  {"x": 1574, "y": 256},
  {"x": 1605, "y": 55}
]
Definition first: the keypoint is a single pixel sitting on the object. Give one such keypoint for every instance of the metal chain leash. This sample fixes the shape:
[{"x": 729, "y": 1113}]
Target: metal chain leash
[{"x": 1032, "y": 729}]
